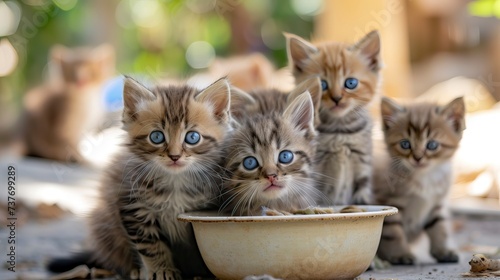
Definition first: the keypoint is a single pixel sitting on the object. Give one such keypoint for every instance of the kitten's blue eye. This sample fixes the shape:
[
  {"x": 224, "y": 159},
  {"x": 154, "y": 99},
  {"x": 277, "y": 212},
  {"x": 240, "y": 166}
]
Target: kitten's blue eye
[
  {"x": 405, "y": 144},
  {"x": 432, "y": 145},
  {"x": 157, "y": 137},
  {"x": 192, "y": 137},
  {"x": 324, "y": 85},
  {"x": 250, "y": 163},
  {"x": 351, "y": 83},
  {"x": 285, "y": 156}
]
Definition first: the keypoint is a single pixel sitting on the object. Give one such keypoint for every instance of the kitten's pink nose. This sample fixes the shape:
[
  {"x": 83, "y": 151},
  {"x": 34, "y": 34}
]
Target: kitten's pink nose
[
  {"x": 174, "y": 157},
  {"x": 271, "y": 177}
]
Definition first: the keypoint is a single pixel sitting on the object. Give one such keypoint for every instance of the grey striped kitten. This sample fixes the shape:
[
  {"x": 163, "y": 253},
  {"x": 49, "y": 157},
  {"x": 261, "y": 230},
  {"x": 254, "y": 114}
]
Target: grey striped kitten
[
  {"x": 169, "y": 166},
  {"x": 350, "y": 76},
  {"x": 414, "y": 174},
  {"x": 269, "y": 160}
]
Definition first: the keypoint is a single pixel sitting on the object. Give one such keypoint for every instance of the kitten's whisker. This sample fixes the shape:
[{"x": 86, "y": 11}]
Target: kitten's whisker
[
  {"x": 250, "y": 204},
  {"x": 236, "y": 193}
]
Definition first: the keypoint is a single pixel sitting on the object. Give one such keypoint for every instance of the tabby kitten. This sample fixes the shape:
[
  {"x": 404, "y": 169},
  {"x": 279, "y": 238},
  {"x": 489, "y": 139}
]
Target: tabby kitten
[
  {"x": 169, "y": 166},
  {"x": 269, "y": 161},
  {"x": 350, "y": 77},
  {"x": 69, "y": 104},
  {"x": 415, "y": 174}
]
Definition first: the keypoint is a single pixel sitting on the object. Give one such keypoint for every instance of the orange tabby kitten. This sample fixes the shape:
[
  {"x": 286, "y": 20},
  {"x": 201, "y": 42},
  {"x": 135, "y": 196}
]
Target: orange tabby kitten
[
  {"x": 414, "y": 174},
  {"x": 69, "y": 104},
  {"x": 350, "y": 77}
]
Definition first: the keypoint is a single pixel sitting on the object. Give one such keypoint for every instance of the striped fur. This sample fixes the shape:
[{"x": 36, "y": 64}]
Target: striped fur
[
  {"x": 344, "y": 147},
  {"x": 143, "y": 191},
  {"x": 264, "y": 136},
  {"x": 416, "y": 180},
  {"x": 266, "y": 101}
]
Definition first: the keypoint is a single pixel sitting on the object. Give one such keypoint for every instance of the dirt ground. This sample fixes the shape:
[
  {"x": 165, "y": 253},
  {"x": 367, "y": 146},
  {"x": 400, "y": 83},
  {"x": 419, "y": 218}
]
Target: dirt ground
[{"x": 45, "y": 232}]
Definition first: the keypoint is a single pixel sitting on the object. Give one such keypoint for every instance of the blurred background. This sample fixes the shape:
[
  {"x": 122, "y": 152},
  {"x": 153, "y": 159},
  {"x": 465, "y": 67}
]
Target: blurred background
[
  {"x": 156, "y": 38},
  {"x": 432, "y": 50},
  {"x": 424, "y": 42},
  {"x": 51, "y": 50}
]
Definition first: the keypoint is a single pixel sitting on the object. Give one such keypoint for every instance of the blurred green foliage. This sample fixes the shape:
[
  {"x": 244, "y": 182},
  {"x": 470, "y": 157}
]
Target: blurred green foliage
[
  {"x": 150, "y": 38},
  {"x": 484, "y": 8}
]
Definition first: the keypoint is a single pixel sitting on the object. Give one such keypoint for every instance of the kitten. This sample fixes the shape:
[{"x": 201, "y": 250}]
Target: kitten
[
  {"x": 246, "y": 72},
  {"x": 70, "y": 104},
  {"x": 269, "y": 160},
  {"x": 415, "y": 174},
  {"x": 350, "y": 77},
  {"x": 169, "y": 166}
]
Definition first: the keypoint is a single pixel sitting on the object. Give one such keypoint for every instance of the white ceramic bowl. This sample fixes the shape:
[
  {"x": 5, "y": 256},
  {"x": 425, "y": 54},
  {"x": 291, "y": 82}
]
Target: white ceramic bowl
[{"x": 326, "y": 246}]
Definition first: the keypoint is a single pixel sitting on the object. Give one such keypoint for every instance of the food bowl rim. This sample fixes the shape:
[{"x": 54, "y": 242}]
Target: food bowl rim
[{"x": 215, "y": 217}]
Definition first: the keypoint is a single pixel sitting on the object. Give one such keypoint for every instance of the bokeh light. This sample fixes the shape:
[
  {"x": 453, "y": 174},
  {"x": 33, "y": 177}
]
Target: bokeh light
[
  {"x": 200, "y": 54},
  {"x": 65, "y": 5},
  {"x": 123, "y": 15},
  {"x": 307, "y": 8},
  {"x": 10, "y": 13},
  {"x": 201, "y": 6},
  {"x": 146, "y": 13},
  {"x": 485, "y": 8},
  {"x": 272, "y": 35},
  {"x": 8, "y": 57}
]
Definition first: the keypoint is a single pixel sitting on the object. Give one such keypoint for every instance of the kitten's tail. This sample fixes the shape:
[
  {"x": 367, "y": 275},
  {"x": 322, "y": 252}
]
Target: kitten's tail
[{"x": 68, "y": 263}]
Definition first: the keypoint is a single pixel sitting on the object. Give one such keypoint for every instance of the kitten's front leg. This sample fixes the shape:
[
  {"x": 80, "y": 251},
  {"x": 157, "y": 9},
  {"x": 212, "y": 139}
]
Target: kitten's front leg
[
  {"x": 362, "y": 183},
  {"x": 362, "y": 186},
  {"x": 147, "y": 238},
  {"x": 330, "y": 168},
  {"x": 436, "y": 229},
  {"x": 158, "y": 263},
  {"x": 394, "y": 245}
]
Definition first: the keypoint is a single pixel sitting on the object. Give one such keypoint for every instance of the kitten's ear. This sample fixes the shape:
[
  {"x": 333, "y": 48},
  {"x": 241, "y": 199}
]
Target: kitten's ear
[
  {"x": 105, "y": 56},
  {"x": 455, "y": 114},
  {"x": 133, "y": 94},
  {"x": 59, "y": 53},
  {"x": 300, "y": 112},
  {"x": 104, "y": 51},
  {"x": 313, "y": 86},
  {"x": 390, "y": 109},
  {"x": 240, "y": 98},
  {"x": 57, "y": 59},
  {"x": 369, "y": 47},
  {"x": 299, "y": 51},
  {"x": 219, "y": 95}
]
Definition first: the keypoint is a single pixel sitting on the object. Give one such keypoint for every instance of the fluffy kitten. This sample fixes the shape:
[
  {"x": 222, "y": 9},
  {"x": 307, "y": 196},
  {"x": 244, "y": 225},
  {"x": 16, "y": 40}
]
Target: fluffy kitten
[
  {"x": 415, "y": 175},
  {"x": 269, "y": 160},
  {"x": 169, "y": 166},
  {"x": 350, "y": 76},
  {"x": 70, "y": 104},
  {"x": 246, "y": 72}
]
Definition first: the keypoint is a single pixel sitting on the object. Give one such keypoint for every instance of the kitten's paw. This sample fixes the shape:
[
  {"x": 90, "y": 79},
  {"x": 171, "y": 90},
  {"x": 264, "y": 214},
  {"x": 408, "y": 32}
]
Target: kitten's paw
[
  {"x": 135, "y": 274},
  {"x": 273, "y": 212},
  {"x": 362, "y": 197},
  {"x": 166, "y": 274},
  {"x": 446, "y": 256},
  {"x": 406, "y": 259},
  {"x": 260, "y": 277}
]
